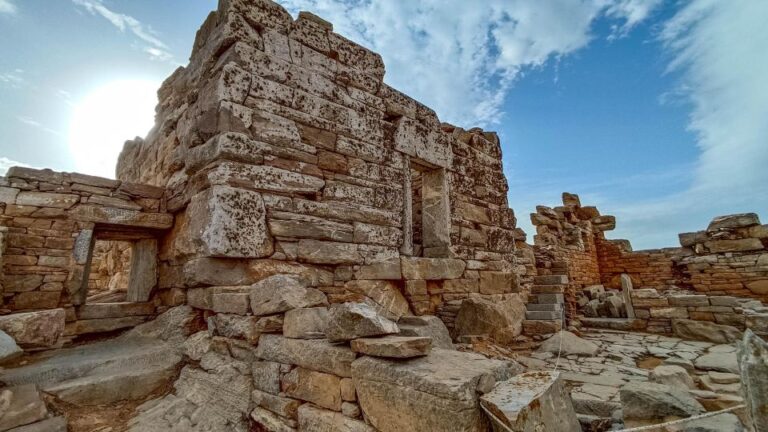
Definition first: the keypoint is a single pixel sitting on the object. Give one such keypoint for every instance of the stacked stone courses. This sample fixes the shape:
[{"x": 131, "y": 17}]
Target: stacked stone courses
[{"x": 283, "y": 151}]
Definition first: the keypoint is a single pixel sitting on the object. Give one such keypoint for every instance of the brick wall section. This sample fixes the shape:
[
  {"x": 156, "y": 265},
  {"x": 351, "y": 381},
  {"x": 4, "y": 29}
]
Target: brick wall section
[{"x": 648, "y": 268}]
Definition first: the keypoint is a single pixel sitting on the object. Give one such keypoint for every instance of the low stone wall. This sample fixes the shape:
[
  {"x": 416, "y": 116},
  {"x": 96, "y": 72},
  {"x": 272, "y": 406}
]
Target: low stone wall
[{"x": 52, "y": 220}]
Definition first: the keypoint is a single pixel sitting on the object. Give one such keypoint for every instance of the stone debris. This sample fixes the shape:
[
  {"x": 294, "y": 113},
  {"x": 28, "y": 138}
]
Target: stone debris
[
  {"x": 531, "y": 401},
  {"x": 426, "y": 326},
  {"x": 356, "y": 320},
  {"x": 673, "y": 376},
  {"x": 567, "y": 343},
  {"x": 393, "y": 346}
]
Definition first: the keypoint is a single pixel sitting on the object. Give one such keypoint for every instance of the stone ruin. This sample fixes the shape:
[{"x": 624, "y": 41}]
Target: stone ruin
[{"x": 297, "y": 246}]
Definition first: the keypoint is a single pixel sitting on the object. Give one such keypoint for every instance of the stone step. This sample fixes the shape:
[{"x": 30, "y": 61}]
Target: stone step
[
  {"x": 541, "y": 327},
  {"x": 549, "y": 298},
  {"x": 543, "y": 315},
  {"x": 548, "y": 289},
  {"x": 544, "y": 307},
  {"x": 551, "y": 280},
  {"x": 103, "y": 325}
]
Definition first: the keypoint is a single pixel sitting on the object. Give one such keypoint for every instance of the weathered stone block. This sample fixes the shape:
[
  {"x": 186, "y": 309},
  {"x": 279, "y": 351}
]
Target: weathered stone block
[
  {"x": 393, "y": 346},
  {"x": 321, "y": 389},
  {"x": 47, "y": 199},
  {"x": 355, "y": 320},
  {"x": 228, "y": 222},
  {"x": 319, "y": 355},
  {"x": 281, "y": 293},
  {"x": 34, "y": 329},
  {"x": 385, "y": 296},
  {"x": 305, "y": 323},
  {"x": 432, "y": 268},
  {"x": 322, "y": 252}
]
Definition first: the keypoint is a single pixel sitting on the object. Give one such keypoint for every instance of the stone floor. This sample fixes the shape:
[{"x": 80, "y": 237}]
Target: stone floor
[{"x": 595, "y": 378}]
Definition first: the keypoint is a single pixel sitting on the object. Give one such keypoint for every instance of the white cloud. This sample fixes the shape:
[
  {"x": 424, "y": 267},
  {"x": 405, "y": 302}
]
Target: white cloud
[
  {"x": 14, "y": 79},
  {"x": 6, "y": 163},
  {"x": 632, "y": 12},
  {"x": 6, "y": 7},
  {"x": 719, "y": 50},
  {"x": 36, "y": 124},
  {"x": 462, "y": 57},
  {"x": 156, "y": 49}
]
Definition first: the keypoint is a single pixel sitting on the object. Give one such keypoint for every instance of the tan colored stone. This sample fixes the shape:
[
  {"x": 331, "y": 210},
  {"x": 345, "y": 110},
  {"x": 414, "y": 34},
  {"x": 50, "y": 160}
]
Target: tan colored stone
[
  {"x": 355, "y": 320},
  {"x": 40, "y": 329},
  {"x": 393, "y": 346},
  {"x": 319, "y": 355},
  {"x": 432, "y": 268},
  {"x": 321, "y": 389},
  {"x": 281, "y": 293},
  {"x": 384, "y": 295}
]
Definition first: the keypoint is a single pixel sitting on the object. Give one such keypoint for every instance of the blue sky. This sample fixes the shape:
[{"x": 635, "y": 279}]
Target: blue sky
[{"x": 653, "y": 110}]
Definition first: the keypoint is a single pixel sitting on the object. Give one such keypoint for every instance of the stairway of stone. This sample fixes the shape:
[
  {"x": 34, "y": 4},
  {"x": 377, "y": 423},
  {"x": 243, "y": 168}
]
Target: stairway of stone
[{"x": 545, "y": 309}]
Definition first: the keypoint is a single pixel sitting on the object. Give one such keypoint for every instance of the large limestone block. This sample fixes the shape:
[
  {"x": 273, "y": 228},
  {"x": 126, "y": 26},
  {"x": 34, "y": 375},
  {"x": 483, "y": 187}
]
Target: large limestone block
[
  {"x": 426, "y": 326},
  {"x": 385, "y": 296},
  {"x": 500, "y": 317},
  {"x": 220, "y": 271},
  {"x": 355, "y": 320},
  {"x": 436, "y": 392},
  {"x": 753, "y": 365},
  {"x": 281, "y": 293},
  {"x": 720, "y": 361},
  {"x": 40, "y": 329},
  {"x": 657, "y": 402},
  {"x": 305, "y": 323},
  {"x": 320, "y": 388},
  {"x": 318, "y": 355},
  {"x": 227, "y": 222},
  {"x": 324, "y": 252},
  {"x": 313, "y": 419},
  {"x": 739, "y": 245},
  {"x": 270, "y": 421},
  {"x": 705, "y": 331},
  {"x": 567, "y": 343},
  {"x": 47, "y": 199},
  {"x": 393, "y": 346},
  {"x": 264, "y": 178},
  {"x": 531, "y": 402},
  {"x": 432, "y": 268},
  {"x": 419, "y": 142},
  {"x": 120, "y": 216}
]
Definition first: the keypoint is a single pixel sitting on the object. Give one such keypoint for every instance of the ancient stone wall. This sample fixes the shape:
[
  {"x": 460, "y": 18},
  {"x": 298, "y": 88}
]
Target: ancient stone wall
[
  {"x": 566, "y": 239},
  {"x": 648, "y": 268},
  {"x": 283, "y": 151},
  {"x": 52, "y": 221}
]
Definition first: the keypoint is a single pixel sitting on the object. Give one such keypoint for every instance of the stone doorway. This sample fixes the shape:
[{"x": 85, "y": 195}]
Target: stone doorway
[{"x": 426, "y": 221}]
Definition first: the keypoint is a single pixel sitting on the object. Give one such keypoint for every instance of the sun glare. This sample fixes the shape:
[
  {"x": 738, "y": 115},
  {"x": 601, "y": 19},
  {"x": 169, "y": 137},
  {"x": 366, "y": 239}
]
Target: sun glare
[{"x": 105, "y": 119}]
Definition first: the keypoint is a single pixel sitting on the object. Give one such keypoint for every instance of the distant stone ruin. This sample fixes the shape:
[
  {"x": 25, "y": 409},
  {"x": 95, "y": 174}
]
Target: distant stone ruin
[{"x": 297, "y": 246}]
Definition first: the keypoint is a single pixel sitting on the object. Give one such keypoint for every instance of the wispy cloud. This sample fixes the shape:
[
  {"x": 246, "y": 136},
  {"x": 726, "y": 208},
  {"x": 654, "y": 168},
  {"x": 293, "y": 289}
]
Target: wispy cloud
[
  {"x": 36, "y": 124},
  {"x": 719, "y": 49},
  {"x": 156, "y": 48},
  {"x": 6, "y": 7},
  {"x": 6, "y": 163},
  {"x": 14, "y": 79},
  {"x": 462, "y": 58}
]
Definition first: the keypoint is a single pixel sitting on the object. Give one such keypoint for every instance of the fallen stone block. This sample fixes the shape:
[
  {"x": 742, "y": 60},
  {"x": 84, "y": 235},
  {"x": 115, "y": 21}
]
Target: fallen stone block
[
  {"x": 654, "y": 403},
  {"x": 271, "y": 421},
  {"x": 436, "y": 392},
  {"x": 393, "y": 346},
  {"x": 705, "y": 331},
  {"x": 531, "y": 401},
  {"x": 40, "y": 329},
  {"x": 426, "y": 326},
  {"x": 500, "y": 317},
  {"x": 673, "y": 376},
  {"x": 355, "y": 320},
  {"x": 567, "y": 343},
  {"x": 718, "y": 361}
]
